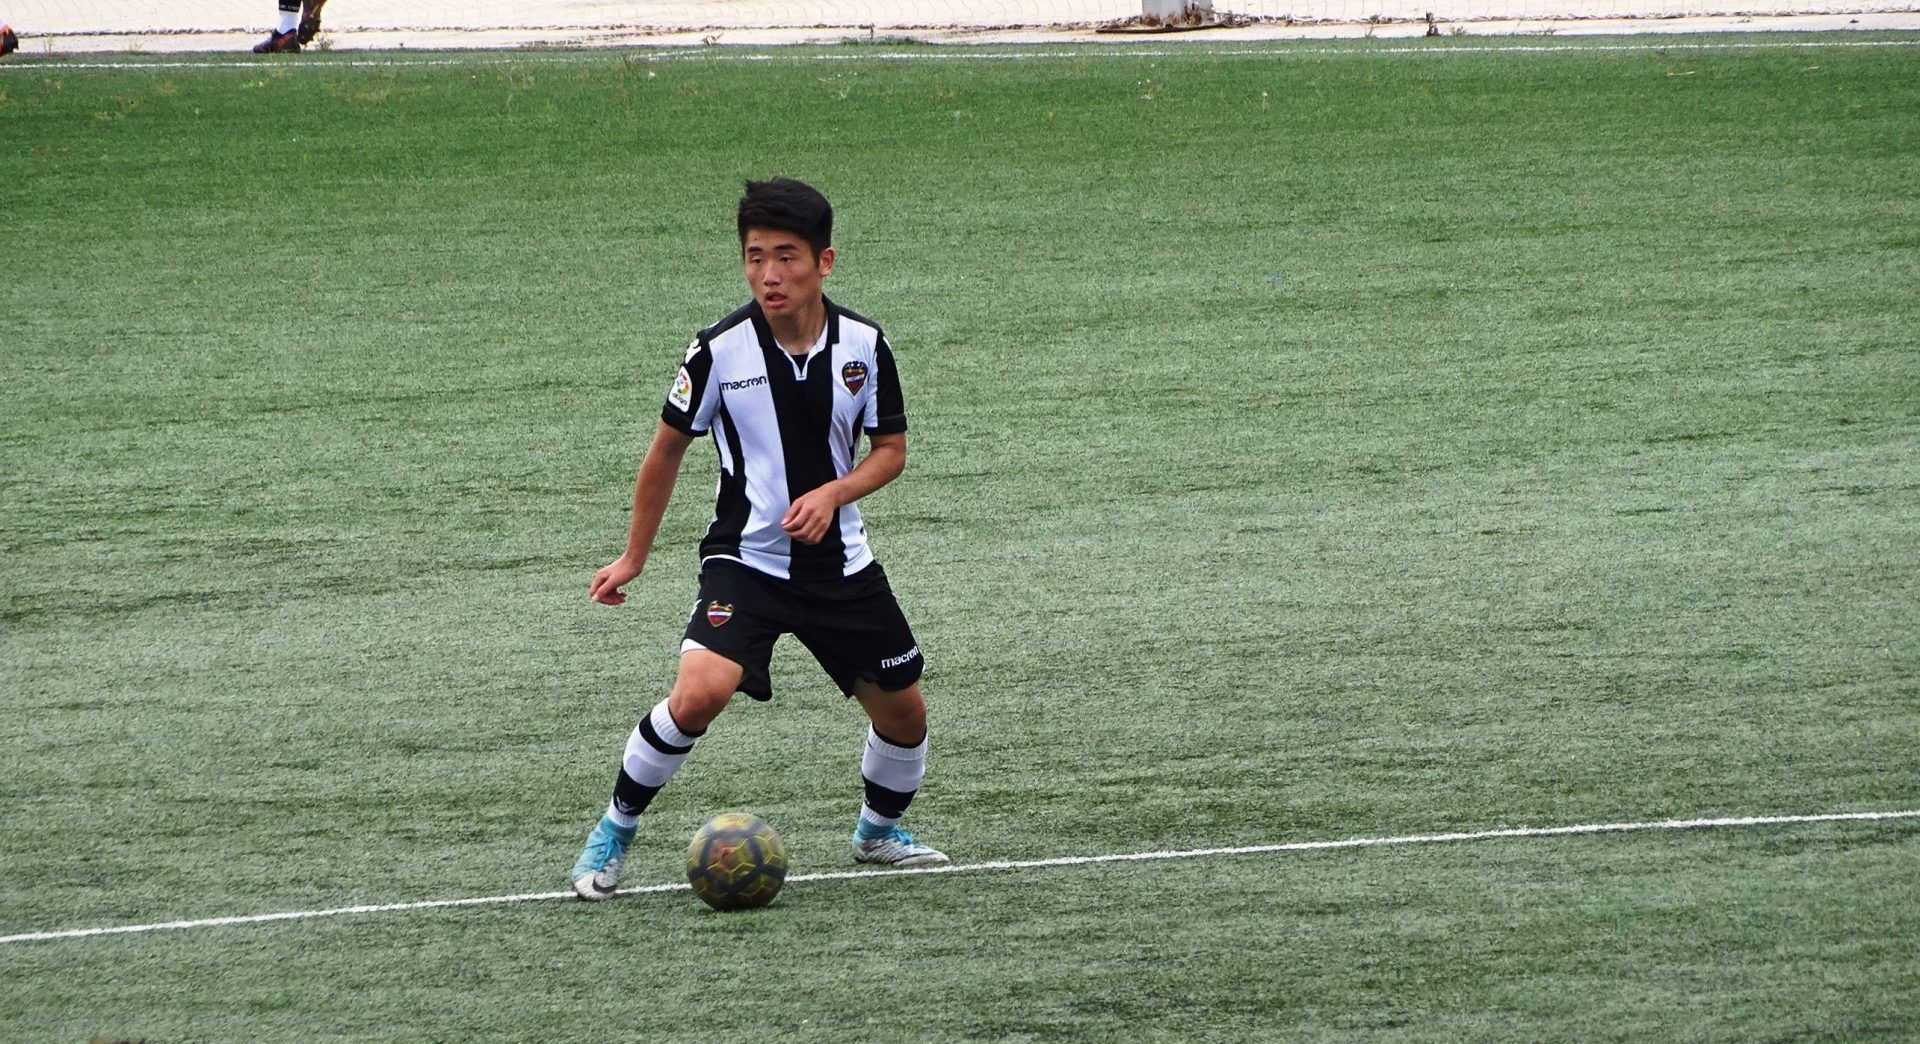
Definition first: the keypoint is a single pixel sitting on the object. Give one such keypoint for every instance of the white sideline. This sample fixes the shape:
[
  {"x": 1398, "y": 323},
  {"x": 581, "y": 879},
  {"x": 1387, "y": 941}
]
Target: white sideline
[
  {"x": 961, "y": 54},
  {"x": 1011, "y": 864}
]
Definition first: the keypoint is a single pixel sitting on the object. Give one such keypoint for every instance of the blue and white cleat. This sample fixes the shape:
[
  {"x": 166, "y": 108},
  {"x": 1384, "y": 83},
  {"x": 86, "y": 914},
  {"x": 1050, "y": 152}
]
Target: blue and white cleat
[
  {"x": 597, "y": 874},
  {"x": 896, "y": 847}
]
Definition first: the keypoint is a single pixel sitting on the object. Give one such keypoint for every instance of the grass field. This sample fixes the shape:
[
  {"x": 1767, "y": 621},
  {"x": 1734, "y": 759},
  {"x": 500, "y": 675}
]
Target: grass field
[{"x": 1307, "y": 444}]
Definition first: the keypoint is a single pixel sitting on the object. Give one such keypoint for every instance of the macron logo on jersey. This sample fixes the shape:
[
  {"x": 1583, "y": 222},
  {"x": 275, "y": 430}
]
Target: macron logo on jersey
[
  {"x": 751, "y": 382},
  {"x": 894, "y": 661}
]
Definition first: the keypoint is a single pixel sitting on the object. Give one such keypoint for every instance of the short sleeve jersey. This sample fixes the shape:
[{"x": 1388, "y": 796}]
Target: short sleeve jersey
[{"x": 784, "y": 426}]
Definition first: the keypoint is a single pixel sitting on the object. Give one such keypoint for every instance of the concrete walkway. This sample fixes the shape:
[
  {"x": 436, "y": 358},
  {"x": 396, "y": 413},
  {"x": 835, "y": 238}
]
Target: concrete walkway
[{"x": 92, "y": 26}]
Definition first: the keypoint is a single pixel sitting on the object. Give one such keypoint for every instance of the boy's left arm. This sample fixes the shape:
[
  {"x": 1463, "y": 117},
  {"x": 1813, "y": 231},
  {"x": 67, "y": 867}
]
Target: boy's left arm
[{"x": 807, "y": 518}]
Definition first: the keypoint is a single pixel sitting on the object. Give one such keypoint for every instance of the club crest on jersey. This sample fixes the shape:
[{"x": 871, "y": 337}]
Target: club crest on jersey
[
  {"x": 718, "y": 614},
  {"x": 854, "y": 376}
]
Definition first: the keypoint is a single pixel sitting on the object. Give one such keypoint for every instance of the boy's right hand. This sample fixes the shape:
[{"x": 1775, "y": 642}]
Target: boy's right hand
[{"x": 611, "y": 578}]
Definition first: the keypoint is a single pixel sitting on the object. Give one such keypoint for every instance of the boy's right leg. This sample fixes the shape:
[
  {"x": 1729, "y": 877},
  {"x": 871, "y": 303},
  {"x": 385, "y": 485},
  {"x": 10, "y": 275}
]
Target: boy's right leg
[
  {"x": 310, "y": 20},
  {"x": 655, "y": 749}
]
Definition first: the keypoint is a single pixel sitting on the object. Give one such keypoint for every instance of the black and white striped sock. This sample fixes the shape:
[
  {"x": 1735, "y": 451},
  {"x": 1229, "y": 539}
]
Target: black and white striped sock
[
  {"x": 892, "y": 774},
  {"x": 655, "y": 749}
]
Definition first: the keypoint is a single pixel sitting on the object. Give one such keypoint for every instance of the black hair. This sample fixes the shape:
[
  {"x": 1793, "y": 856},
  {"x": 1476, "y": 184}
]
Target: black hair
[{"x": 790, "y": 206}]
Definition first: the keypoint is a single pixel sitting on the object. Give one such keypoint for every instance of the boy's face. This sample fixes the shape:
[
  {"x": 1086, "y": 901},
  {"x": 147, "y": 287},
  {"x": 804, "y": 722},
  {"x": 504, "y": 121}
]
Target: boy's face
[{"x": 783, "y": 270}]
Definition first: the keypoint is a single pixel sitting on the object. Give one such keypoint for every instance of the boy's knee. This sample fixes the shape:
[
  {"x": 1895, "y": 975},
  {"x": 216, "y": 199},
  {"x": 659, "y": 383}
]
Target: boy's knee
[
  {"x": 705, "y": 685},
  {"x": 695, "y": 705},
  {"x": 900, "y": 715}
]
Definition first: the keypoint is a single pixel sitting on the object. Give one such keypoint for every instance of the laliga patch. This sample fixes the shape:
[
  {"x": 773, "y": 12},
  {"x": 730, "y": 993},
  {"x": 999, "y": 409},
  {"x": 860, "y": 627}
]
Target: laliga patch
[
  {"x": 718, "y": 614},
  {"x": 682, "y": 393},
  {"x": 854, "y": 376}
]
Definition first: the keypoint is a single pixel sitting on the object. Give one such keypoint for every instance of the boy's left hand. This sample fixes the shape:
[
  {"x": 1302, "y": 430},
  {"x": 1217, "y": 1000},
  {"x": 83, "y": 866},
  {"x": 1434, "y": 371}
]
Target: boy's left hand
[{"x": 807, "y": 519}]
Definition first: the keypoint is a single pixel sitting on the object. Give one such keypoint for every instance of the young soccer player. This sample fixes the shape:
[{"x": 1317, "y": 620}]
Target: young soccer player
[
  {"x": 785, "y": 385},
  {"x": 299, "y": 24}
]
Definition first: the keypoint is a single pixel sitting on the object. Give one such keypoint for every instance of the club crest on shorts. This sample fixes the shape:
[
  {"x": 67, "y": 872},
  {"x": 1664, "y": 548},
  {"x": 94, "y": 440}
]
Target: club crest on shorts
[
  {"x": 718, "y": 614},
  {"x": 854, "y": 376}
]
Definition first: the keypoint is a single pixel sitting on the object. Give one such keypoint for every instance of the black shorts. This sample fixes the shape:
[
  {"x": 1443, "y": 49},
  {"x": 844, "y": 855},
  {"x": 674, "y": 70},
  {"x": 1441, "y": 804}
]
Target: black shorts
[{"x": 853, "y": 626}]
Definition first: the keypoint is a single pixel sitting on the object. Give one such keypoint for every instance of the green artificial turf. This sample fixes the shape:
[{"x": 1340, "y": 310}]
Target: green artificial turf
[{"x": 1310, "y": 443}]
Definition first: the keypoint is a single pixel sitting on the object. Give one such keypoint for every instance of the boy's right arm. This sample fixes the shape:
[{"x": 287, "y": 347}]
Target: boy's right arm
[{"x": 651, "y": 491}]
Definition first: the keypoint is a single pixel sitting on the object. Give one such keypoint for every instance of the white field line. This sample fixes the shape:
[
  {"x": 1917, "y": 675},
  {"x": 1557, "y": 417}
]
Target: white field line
[
  {"x": 1011, "y": 864},
  {"x": 961, "y": 54}
]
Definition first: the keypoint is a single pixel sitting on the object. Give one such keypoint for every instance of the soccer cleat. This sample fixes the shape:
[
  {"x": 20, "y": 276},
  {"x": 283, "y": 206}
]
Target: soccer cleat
[
  {"x": 896, "y": 847},
  {"x": 597, "y": 873},
  {"x": 9, "y": 40},
  {"x": 310, "y": 19},
  {"x": 278, "y": 43}
]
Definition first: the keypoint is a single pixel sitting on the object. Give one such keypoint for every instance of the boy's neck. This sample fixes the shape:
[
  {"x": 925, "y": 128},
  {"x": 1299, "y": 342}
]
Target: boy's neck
[{"x": 800, "y": 327}]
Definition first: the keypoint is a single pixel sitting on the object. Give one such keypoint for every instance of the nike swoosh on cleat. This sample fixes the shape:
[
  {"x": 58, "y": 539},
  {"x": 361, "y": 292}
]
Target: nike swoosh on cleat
[{"x": 593, "y": 885}]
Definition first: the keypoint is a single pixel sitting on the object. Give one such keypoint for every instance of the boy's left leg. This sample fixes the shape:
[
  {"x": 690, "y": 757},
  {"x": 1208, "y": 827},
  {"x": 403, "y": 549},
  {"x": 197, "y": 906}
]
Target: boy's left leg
[
  {"x": 287, "y": 37},
  {"x": 857, "y": 631},
  {"x": 891, "y": 767}
]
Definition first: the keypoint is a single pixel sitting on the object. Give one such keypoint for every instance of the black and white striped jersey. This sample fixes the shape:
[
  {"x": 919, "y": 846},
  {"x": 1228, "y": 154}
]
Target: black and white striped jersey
[{"x": 785, "y": 426}]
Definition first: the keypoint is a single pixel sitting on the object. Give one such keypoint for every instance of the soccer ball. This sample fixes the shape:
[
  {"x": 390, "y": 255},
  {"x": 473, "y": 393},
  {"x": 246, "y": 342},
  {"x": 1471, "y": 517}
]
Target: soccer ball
[{"x": 736, "y": 862}]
